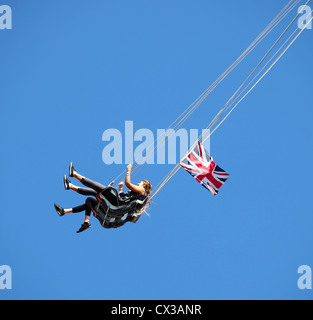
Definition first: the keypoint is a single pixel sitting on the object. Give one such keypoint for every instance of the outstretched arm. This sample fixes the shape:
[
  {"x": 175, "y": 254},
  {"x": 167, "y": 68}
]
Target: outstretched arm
[{"x": 129, "y": 185}]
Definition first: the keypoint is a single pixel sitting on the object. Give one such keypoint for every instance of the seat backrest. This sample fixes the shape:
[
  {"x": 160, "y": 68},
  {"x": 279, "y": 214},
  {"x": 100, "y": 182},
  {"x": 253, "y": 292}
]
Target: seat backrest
[{"x": 109, "y": 214}]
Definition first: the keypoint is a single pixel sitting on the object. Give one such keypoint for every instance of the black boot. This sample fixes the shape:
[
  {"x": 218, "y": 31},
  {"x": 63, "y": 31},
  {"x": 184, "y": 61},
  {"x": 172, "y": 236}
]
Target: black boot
[
  {"x": 59, "y": 210},
  {"x": 85, "y": 226}
]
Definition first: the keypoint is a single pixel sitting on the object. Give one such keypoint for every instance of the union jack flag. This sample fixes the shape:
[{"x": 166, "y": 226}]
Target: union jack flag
[{"x": 202, "y": 167}]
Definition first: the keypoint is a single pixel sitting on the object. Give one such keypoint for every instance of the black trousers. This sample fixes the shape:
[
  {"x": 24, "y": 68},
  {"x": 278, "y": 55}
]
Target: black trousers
[
  {"x": 90, "y": 204},
  {"x": 92, "y": 189}
]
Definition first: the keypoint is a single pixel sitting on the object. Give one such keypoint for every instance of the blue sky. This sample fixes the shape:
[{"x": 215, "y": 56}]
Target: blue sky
[{"x": 71, "y": 70}]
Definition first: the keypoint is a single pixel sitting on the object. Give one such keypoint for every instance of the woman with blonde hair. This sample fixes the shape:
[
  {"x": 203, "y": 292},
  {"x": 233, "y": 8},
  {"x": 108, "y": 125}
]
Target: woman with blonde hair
[{"x": 141, "y": 191}]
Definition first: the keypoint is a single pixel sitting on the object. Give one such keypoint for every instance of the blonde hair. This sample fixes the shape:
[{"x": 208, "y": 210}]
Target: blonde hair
[{"x": 148, "y": 189}]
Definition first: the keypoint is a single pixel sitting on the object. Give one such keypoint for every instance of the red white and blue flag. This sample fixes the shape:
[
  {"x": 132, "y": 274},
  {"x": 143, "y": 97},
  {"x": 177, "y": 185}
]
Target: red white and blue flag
[{"x": 202, "y": 167}]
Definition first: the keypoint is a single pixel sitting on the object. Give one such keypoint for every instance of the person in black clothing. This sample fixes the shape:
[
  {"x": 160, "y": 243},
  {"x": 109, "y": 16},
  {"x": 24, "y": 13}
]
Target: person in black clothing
[{"x": 139, "y": 191}]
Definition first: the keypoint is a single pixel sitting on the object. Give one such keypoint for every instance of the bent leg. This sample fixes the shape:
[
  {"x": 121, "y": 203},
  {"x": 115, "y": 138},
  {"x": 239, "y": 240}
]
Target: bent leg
[{"x": 91, "y": 203}]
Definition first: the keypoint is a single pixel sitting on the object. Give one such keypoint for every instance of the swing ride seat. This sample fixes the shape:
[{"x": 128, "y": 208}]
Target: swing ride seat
[{"x": 116, "y": 215}]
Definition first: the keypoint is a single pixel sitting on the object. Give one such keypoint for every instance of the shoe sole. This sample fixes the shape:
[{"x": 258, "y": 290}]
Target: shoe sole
[
  {"x": 83, "y": 230},
  {"x": 71, "y": 173},
  {"x": 66, "y": 183}
]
